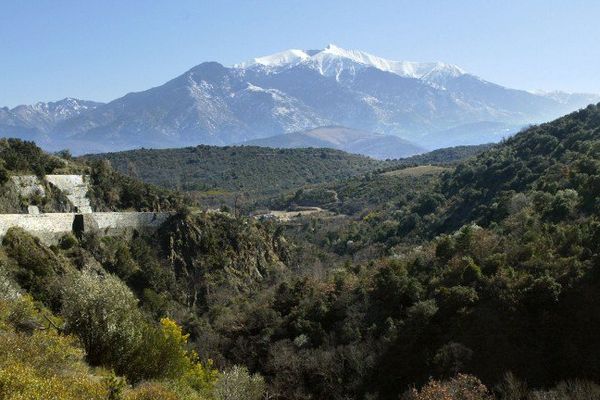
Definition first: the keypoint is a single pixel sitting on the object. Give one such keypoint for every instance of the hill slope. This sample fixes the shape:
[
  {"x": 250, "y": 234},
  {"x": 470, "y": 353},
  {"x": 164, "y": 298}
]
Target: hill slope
[
  {"x": 257, "y": 171},
  {"x": 492, "y": 266},
  {"x": 345, "y": 139},
  {"x": 550, "y": 170},
  {"x": 488, "y": 269}
]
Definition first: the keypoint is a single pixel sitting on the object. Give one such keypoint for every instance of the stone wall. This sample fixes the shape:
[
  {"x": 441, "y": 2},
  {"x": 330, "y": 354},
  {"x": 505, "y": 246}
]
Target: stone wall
[
  {"x": 52, "y": 226},
  {"x": 112, "y": 223},
  {"x": 49, "y": 228}
]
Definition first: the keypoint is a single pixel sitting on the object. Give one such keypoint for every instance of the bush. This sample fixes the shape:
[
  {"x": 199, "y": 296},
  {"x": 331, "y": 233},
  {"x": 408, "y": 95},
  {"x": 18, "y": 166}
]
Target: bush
[
  {"x": 4, "y": 175},
  {"x": 36, "y": 265},
  {"x": 461, "y": 387},
  {"x": 67, "y": 241},
  {"x": 151, "y": 391},
  {"x": 238, "y": 384},
  {"x": 163, "y": 354},
  {"x": 41, "y": 364},
  {"x": 575, "y": 389},
  {"x": 103, "y": 313},
  {"x": 25, "y": 157},
  {"x": 452, "y": 358},
  {"x": 19, "y": 381}
]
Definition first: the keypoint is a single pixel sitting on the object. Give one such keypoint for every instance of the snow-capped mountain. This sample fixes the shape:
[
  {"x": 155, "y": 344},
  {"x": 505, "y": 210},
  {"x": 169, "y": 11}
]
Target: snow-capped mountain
[
  {"x": 45, "y": 115},
  {"x": 36, "y": 122},
  {"x": 335, "y": 61},
  {"x": 292, "y": 91}
]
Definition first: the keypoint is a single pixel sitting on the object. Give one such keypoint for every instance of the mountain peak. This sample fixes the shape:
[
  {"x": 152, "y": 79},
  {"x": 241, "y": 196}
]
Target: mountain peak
[
  {"x": 290, "y": 91},
  {"x": 333, "y": 59},
  {"x": 282, "y": 58}
]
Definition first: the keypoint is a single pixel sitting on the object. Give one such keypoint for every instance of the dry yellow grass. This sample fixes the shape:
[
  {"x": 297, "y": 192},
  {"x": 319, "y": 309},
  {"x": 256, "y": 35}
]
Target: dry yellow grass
[{"x": 418, "y": 171}]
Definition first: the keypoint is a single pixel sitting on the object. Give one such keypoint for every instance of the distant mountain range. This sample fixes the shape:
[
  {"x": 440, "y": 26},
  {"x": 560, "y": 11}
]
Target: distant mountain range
[
  {"x": 430, "y": 104},
  {"x": 355, "y": 141},
  {"x": 37, "y": 122}
]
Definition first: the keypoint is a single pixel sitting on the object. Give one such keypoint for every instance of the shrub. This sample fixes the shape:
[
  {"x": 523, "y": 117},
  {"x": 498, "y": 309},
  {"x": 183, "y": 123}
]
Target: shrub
[
  {"x": 19, "y": 381},
  {"x": 452, "y": 358},
  {"x": 461, "y": 387},
  {"x": 575, "y": 389},
  {"x": 151, "y": 391},
  {"x": 4, "y": 175},
  {"x": 36, "y": 265},
  {"x": 238, "y": 384},
  {"x": 42, "y": 364},
  {"x": 67, "y": 241},
  {"x": 511, "y": 388},
  {"x": 163, "y": 354},
  {"x": 103, "y": 313}
]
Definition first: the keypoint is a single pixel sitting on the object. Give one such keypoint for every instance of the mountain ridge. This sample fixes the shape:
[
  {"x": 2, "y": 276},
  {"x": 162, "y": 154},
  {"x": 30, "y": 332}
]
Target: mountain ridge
[
  {"x": 218, "y": 105},
  {"x": 355, "y": 141}
]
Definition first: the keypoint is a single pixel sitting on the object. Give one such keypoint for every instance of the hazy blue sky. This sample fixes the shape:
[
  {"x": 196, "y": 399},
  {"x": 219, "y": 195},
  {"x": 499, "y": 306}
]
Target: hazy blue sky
[{"x": 100, "y": 50}]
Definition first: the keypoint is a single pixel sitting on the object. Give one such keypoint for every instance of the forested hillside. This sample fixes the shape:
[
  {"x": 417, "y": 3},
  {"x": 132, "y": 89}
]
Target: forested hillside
[
  {"x": 504, "y": 278},
  {"x": 446, "y": 155},
  {"x": 217, "y": 175},
  {"x": 474, "y": 281},
  {"x": 222, "y": 172}
]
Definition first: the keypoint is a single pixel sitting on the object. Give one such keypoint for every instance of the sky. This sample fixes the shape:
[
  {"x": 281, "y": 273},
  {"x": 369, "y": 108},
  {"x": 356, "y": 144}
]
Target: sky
[{"x": 101, "y": 50}]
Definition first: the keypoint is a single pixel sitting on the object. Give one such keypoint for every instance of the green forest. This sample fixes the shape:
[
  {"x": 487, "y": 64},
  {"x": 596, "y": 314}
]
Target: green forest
[
  {"x": 218, "y": 175},
  {"x": 465, "y": 274}
]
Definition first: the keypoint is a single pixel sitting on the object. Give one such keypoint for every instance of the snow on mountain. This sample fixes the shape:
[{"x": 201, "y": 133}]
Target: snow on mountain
[
  {"x": 275, "y": 107},
  {"x": 567, "y": 98},
  {"x": 427, "y": 103},
  {"x": 334, "y": 60},
  {"x": 284, "y": 58},
  {"x": 43, "y": 116},
  {"x": 36, "y": 121}
]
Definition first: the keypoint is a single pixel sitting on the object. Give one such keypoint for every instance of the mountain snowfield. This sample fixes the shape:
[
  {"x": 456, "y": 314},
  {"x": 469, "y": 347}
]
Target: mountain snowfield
[
  {"x": 430, "y": 104},
  {"x": 32, "y": 121},
  {"x": 334, "y": 61}
]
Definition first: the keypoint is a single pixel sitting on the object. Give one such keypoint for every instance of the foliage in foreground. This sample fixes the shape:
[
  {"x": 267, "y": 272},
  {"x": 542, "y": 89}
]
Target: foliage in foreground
[
  {"x": 48, "y": 357},
  {"x": 490, "y": 268}
]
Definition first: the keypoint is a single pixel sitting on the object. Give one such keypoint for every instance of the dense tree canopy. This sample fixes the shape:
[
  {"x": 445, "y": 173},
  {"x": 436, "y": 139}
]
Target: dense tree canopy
[{"x": 470, "y": 281}]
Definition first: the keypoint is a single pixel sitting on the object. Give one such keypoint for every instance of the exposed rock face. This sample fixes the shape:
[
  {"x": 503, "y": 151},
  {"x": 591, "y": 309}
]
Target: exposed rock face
[
  {"x": 215, "y": 250},
  {"x": 28, "y": 185}
]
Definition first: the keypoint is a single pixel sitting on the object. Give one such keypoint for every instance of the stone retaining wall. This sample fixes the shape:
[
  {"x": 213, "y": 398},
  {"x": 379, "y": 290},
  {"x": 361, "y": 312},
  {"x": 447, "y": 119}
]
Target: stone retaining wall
[
  {"x": 49, "y": 228},
  {"x": 52, "y": 226},
  {"x": 115, "y": 222}
]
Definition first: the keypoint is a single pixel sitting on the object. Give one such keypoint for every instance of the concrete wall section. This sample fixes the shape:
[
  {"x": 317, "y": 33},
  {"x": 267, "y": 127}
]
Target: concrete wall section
[
  {"x": 114, "y": 222},
  {"x": 47, "y": 227}
]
